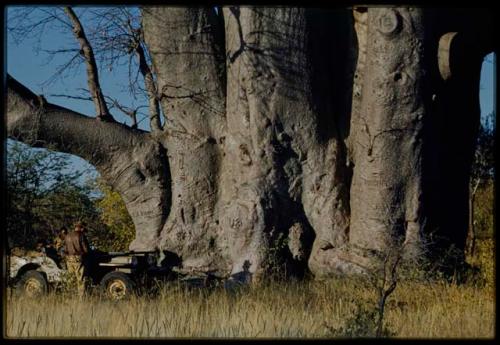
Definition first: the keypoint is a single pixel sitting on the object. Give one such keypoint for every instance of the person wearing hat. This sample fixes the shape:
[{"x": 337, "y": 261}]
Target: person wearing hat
[{"x": 76, "y": 248}]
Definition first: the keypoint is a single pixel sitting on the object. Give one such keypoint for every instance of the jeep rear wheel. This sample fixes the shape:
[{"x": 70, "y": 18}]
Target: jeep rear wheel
[
  {"x": 117, "y": 285},
  {"x": 32, "y": 284}
]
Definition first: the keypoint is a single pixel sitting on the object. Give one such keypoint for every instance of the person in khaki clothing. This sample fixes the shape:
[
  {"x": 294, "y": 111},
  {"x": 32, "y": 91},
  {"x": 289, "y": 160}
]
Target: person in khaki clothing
[{"x": 76, "y": 247}]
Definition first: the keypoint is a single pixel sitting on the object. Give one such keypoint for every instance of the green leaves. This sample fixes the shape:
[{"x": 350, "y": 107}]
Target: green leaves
[{"x": 44, "y": 194}]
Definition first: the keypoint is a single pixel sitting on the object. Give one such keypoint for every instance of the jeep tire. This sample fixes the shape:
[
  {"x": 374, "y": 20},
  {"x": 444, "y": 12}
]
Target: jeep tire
[{"x": 32, "y": 284}]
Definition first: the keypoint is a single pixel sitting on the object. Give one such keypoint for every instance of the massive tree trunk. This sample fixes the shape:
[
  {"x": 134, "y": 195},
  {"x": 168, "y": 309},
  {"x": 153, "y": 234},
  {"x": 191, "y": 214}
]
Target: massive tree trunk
[
  {"x": 294, "y": 139},
  {"x": 387, "y": 178},
  {"x": 187, "y": 45}
]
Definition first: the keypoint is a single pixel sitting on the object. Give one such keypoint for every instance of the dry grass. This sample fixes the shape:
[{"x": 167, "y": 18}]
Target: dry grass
[{"x": 307, "y": 309}]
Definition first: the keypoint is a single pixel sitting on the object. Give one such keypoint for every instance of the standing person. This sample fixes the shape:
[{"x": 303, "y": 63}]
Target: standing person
[
  {"x": 58, "y": 245},
  {"x": 59, "y": 241},
  {"x": 76, "y": 249}
]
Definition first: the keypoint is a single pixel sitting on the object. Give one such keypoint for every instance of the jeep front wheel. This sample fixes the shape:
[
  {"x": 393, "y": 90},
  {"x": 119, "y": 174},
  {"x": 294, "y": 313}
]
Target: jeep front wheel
[
  {"x": 32, "y": 284},
  {"x": 117, "y": 285}
]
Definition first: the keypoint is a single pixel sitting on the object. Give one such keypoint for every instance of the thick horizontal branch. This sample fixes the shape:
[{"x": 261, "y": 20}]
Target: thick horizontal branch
[{"x": 32, "y": 120}]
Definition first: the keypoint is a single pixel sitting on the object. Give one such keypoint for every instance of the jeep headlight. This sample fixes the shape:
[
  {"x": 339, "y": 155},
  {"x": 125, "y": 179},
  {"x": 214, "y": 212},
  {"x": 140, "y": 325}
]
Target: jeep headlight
[
  {"x": 134, "y": 261},
  {"x": 151, "y": 260}
]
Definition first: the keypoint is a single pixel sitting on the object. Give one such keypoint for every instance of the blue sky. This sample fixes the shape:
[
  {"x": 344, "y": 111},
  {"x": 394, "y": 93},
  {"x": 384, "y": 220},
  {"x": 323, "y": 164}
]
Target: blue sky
[
  {"x": 32, "y": 69},
  {"x": 486, "y": 88}
]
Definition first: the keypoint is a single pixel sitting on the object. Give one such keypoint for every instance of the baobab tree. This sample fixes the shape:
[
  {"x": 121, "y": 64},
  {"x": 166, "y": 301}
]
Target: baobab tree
[{"x": 335, "y": 129}]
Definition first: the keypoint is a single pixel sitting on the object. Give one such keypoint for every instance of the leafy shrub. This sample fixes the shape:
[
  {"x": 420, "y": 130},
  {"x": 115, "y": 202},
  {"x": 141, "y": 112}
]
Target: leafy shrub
[{"x": 362, "y": 324}]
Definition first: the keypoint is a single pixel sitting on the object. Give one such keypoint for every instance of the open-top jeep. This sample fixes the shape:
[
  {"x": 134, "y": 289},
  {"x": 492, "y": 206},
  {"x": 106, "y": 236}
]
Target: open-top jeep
[{"x": 118, "y": 274}]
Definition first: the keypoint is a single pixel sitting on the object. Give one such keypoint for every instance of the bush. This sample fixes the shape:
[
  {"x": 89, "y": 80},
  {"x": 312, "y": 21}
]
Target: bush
[{"x": 363, "y": 324}]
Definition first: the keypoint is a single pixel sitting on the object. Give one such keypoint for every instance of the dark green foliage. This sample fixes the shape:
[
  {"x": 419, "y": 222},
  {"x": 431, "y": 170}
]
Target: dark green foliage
[
  {"x": 484, "y": 155},
  {"x": 363, "y": 324},
  {"x": 43, "y": 194}
]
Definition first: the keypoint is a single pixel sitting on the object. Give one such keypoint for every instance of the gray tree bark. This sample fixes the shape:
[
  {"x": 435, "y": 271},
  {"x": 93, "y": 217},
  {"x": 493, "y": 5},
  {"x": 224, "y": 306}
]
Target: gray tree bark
[
  {"x": 295, "y": 139},
  {"x": 283, "y": 176},
  {"x": 386, "y": 184},
  {"x": 186, "y": 45}
]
